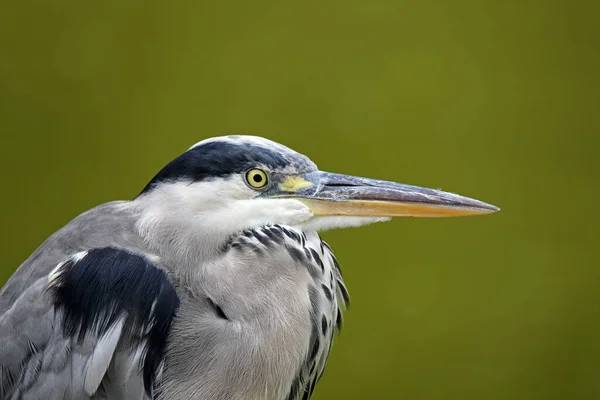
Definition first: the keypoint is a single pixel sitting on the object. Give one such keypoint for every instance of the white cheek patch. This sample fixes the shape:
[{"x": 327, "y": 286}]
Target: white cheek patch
[
  {"x": 201, "y": 216},
  {"x": 205, "y": 193}
]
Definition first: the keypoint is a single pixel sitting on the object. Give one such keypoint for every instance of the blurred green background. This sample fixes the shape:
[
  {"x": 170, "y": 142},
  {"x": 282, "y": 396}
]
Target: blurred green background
[{"x": 497, "y": 100}]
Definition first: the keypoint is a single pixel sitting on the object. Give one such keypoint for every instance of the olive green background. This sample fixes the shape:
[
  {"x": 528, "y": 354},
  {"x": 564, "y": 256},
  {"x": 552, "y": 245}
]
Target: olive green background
[{"x": 496, "y": 100}]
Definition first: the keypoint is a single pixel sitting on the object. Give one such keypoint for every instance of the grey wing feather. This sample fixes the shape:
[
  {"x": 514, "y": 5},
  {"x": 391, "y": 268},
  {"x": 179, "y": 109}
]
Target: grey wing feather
[{"x": 88, "y": 330}]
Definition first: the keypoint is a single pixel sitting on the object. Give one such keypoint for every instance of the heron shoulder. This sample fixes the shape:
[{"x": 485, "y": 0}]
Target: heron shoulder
[{"x": 97, "y": 324}]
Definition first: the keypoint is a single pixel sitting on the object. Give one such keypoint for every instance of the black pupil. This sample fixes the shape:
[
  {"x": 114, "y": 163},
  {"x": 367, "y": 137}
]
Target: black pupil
[{"x": 257, "y": 178}]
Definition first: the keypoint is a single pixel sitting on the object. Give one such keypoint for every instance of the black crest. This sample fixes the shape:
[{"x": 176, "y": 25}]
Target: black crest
[{"x": 220, "y": 158}]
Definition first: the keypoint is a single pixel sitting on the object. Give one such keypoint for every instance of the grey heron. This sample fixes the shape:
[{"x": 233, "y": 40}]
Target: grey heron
[{"x": 212, "y": 284}]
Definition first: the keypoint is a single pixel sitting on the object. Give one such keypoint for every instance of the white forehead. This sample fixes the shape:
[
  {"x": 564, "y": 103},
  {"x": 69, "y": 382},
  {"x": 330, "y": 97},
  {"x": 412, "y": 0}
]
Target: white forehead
[{"x": 247, "y": 139}]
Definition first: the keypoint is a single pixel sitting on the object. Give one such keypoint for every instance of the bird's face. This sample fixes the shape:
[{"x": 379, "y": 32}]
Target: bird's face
[{"x": 239, "y": 182}]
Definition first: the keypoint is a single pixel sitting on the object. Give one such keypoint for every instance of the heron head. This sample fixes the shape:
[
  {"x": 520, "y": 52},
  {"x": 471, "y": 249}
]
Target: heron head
[{"x": 233, "y": 183}]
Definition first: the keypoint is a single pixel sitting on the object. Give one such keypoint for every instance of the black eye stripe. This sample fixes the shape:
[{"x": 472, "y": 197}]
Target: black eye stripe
[{"x": 223, "y": 158}]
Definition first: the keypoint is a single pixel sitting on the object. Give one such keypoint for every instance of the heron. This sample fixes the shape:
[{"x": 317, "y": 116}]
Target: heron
[{"x": 212, "y": 284}]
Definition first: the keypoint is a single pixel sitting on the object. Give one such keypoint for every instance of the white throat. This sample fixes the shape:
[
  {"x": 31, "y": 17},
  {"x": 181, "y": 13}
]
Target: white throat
[{"x": 192, "y": 221}]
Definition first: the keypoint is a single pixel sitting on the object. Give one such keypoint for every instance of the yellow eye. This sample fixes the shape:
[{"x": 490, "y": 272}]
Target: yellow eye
[{"x": 256, "y": 178}]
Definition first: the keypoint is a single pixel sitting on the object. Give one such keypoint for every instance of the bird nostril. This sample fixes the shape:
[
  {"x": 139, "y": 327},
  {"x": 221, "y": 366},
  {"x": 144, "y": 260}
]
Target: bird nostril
[{"x": 340, "y": 185}]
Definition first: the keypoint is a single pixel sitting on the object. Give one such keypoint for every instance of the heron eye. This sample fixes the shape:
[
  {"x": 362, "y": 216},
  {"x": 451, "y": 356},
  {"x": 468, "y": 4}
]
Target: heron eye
[{"x": 256, "y": 178}]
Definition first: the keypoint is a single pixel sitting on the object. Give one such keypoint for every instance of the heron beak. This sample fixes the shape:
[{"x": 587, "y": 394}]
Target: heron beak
[{"x": 343, "y": 195}]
